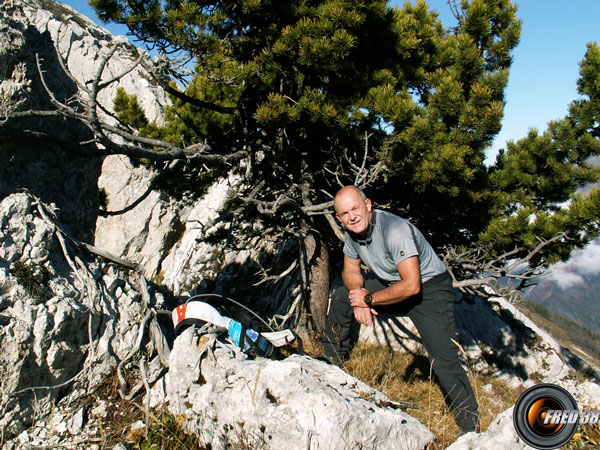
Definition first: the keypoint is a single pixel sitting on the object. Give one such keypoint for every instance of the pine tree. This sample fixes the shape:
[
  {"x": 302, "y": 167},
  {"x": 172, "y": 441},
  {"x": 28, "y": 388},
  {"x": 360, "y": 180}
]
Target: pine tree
[
  {"x": 536, "y": 183},
  {"x": 330, "y": 92}
]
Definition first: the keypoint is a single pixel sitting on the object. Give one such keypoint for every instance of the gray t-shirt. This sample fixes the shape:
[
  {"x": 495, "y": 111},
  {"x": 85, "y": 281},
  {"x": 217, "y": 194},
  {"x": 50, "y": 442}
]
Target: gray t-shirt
[{"x": 390, "y": 240}]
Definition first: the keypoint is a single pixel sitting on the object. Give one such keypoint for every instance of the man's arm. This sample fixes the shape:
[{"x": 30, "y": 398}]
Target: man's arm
[
  {"x": 409, "y": 285},
  {"x": 354, "y": 281},
  {"x": 352, "y": 275}
]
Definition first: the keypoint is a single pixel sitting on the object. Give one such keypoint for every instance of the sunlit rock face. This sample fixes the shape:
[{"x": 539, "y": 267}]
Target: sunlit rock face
[
  {"x": 296, "y": 403},
  {"x": 68, "y": 318}
]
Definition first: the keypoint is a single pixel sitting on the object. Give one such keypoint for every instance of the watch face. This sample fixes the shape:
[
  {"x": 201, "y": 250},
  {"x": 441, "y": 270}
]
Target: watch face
[{"x": 368, "y": 299}]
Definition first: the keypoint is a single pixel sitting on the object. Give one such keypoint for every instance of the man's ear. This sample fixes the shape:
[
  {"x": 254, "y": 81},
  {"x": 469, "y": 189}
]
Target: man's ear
[{"x": 369, "y": 204}]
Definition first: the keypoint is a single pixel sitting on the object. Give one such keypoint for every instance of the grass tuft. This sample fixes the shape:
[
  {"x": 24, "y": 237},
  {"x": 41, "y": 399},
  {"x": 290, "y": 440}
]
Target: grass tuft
[
  {"x": 164, "y": 432},
  {"x": 31, "y": 280}
]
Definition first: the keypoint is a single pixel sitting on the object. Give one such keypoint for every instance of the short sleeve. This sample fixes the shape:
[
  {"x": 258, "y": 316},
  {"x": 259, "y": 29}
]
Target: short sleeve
[
  {"x": 400, "y": 242},
  {"x": 349, "y": 249}
]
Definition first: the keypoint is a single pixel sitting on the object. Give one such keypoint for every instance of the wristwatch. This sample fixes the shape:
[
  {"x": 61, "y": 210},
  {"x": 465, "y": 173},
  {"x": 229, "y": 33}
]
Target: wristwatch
[{"x": 368, "y": 299}]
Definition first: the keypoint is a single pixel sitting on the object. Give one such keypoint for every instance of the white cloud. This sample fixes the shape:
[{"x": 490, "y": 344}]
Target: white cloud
[
  {"x": 565, "y": 279},
  {"x": 585, "y": 261}
]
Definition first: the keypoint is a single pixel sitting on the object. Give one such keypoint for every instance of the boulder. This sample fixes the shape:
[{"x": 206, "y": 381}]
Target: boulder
[{"x": 295, "y": 403}]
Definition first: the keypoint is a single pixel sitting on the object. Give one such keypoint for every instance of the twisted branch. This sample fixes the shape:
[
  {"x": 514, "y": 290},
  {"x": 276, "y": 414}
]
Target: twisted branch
[
  {"x": 465, "y": 265},
  {"x": 108, "y": 139}
]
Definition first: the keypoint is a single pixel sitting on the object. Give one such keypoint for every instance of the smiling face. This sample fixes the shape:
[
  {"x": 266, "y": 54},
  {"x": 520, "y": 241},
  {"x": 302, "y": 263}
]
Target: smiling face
[{"x": 353, "y": 210}]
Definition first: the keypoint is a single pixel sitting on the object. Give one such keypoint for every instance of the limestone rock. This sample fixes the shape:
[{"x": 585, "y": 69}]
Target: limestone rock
[
  {"x": 189, "y": 260},
  {"x": 56, "y": 331},
  {"x": 145, "y": 233},
  {"x": 83, "y": 44},
  {"x": 500, "y": 434},
  {"x": 296, "y": 403},
  {"x": 36, "y": 30}
]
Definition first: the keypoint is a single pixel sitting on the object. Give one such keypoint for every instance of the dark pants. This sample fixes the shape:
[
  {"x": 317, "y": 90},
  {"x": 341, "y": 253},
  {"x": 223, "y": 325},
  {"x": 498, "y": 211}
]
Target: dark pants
[{"x": 432, "y": 312}]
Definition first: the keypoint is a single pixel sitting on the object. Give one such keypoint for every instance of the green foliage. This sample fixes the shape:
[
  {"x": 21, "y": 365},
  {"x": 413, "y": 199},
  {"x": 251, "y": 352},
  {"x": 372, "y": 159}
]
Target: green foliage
[
  {"x": 438, "y": 150},
  {"x": 535, "y": 183},
  {"x": 131, "y": 114},
  {"x": 293, "y": 72},
  {"x": 300, "y": 84},
  {"x": 129, "y": 110}
]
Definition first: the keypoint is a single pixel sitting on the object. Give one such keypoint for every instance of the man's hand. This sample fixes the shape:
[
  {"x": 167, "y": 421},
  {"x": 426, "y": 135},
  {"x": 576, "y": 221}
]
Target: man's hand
[
  {"x": 357, "y": 298},
  {"x": 364, "y": 316},
  {"x": 362, "y": 313}
]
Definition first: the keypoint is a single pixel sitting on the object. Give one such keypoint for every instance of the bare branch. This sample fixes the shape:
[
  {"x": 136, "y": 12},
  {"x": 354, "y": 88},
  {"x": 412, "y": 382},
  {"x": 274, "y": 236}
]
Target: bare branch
[
  {"x": 271, "y": 208},
  {"x": 53, "y": 100},
  {"x": 267, "y": 277},
  {"x": 471, "y": 269},
  {"x": 123, "y": 73},
  {"x": 454, "y": 8},
  {"x": 96, "y": 85},
  {"x": 336, "y": 174},
  {"x": 108, "y": 139},
  {"x": 360, "y": 174},
  {"x": 155, "y": 72},
  {"x": 290, "y": 312},
  {"x": 335, "y": 227}
]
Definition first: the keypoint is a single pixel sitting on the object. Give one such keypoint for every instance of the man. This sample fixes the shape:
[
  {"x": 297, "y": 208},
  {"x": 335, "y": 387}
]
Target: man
[{"x": 408, "y": 277}]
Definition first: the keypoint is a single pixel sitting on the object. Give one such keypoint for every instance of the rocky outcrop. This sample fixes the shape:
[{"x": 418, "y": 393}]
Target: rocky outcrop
[
  {"x": 37, "y": 31},
  {"x": 65, "y": 322},
  {"x": 64, "y": 331},
  {"x": 145, "y": 233},
  {"x": 83, "y": 45},
  {"x": 67, "y": 318},
  {"x": 296, "y": 403}
]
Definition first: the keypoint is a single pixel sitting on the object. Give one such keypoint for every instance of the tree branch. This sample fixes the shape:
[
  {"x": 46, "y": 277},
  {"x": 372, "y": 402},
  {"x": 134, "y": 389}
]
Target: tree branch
[
  {"x": 154, "y": 70},
  {"x": 466, "y": 266},
  {"x": 105, "y": 135}
]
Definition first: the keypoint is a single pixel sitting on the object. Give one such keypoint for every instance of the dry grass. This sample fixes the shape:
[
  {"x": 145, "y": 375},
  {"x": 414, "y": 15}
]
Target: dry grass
[
  {"x": 406, "y": 378},
  {"x": 587, "y": 437}
]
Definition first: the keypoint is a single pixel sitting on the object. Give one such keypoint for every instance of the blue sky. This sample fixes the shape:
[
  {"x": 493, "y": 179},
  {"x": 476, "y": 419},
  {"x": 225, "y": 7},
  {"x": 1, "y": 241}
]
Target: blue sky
[{"x": 545, "y": 69}]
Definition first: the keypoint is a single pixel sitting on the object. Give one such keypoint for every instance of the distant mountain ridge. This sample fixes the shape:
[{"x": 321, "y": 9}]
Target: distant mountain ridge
[{"x": 579, "y": 303}]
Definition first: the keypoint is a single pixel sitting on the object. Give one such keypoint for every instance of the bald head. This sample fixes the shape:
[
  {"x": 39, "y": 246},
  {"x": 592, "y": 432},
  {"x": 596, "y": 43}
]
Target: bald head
[{"x": 347, "y": 191}]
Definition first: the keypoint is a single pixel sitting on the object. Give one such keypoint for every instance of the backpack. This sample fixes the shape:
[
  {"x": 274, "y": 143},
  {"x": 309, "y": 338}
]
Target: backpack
[{"x": 242, "y": 326}]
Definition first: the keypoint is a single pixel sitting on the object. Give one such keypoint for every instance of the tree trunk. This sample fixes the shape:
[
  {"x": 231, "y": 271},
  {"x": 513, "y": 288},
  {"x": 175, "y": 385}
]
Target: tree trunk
[{"x": 317, "y": 256}]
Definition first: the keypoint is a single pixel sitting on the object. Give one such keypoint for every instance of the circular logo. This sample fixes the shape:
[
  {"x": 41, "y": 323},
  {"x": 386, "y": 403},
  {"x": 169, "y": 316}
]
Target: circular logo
[{"x": 546, "y": 416}]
